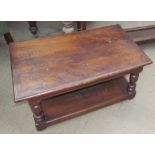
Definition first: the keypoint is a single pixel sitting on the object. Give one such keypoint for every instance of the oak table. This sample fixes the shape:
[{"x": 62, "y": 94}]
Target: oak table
[{"x": 67, "y": 75}]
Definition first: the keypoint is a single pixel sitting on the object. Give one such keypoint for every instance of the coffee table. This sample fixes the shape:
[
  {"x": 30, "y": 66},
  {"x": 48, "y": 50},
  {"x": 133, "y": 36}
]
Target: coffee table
[{"x": 67, "y": 75}]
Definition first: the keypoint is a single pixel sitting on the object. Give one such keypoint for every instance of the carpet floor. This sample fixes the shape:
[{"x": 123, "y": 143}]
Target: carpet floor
[{"x": 134, "y": 116}]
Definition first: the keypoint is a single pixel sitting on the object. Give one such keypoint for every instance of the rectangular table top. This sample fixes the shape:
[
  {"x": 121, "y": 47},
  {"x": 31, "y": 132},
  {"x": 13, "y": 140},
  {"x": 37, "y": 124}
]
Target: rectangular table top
[{"x": 62, "y": 63}]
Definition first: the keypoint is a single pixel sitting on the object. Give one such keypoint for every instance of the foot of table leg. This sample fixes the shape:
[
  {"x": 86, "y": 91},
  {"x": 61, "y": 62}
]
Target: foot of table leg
[
  {"x": 81, "y": 25},
  {"x": 33, "y": 27},
  {"x": 132, "y": 83},
  {"x": 38, "y": 114},
  {"x": 8, "y": 38}
]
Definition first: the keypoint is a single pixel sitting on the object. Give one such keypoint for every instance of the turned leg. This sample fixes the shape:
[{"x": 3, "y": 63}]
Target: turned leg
[
  {"x": 68, "y": 26},
  {"x": 81, "y": 25},
  {"x": 38, "y": 114},
  {"x": 132, "y": 83},
  {"x": 33, "y": 27}
]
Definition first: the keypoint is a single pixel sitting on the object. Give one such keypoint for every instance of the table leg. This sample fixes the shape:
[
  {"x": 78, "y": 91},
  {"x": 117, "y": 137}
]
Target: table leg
[
  {"x": 81, "y": 25},
  {"x": 33, "y": 27},
  {"x": 38, "y": 114},
  {"x": 68, "y": 26},
  {"x": 8, "y": 38},
  {"x": 132, "y": 83}
]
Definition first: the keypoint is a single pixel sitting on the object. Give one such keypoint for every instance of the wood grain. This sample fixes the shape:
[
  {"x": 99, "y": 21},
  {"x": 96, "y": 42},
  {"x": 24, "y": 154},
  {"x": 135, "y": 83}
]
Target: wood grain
[
  {"x": 85, "y": 100},
  {"x": 63, "y": 63}
]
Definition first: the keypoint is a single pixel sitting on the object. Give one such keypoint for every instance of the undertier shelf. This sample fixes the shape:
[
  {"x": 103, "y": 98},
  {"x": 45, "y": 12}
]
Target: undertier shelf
[{"x": 85, "y": 100}]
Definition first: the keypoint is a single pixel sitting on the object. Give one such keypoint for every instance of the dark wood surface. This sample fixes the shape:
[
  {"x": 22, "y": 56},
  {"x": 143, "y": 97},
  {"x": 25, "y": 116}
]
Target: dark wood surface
[
  {"x": 68, "y": 75},
  {"x": 33, "y": 27},
  {"x": 141, "y": 34},
  {"x": 73, "y": 104},
  {"x": 59, "y": 64},
  {"x": 81, "y": 25},
  {"x": 69, "y": 105},
  {"x": 8, "y": 38}
]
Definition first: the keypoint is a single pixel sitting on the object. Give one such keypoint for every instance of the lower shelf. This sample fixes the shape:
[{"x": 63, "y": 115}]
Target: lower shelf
[{"x": 76, "y": 103}]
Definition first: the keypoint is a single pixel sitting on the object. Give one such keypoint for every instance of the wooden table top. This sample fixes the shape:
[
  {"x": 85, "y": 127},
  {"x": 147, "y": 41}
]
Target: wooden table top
[{"x": 59, "y": 64}]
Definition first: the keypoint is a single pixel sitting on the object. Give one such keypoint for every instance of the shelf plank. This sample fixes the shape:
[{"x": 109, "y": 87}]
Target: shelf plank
[{"x": 79, "y": 102}]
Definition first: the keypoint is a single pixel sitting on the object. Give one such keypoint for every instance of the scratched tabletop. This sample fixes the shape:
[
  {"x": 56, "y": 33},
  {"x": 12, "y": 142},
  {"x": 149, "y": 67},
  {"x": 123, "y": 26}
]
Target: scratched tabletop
[{"x": 63, "y": 63}]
